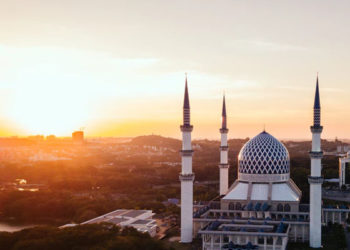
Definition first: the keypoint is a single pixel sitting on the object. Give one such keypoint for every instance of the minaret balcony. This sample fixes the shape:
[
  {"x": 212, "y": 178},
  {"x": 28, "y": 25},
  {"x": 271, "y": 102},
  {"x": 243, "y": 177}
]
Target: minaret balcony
[
  {"x": 224, "y": 165},
  {"x": 186, "y": 128},
  {"x": 315, "y": 179},
  {"x": 186, "y": 177},
  {"x": 316, "y": 154},
  {"x": 223, "y": 130},
  {"x": 186, "y": 152},
  {"x": 224, "y": 148},
  {"x": 316, "y": 129}
]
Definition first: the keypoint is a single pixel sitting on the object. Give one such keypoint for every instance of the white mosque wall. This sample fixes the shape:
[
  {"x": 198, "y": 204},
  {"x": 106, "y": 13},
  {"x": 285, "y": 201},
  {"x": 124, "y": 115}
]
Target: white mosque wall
[
  {"x": 223, "y": 139},
  {"x": 186, "y": 211},
  {"x": 260, "y": 192},
  {"x": 186, "y": 164},
  {"x": 315, "y": 167},
  {"x": 223, "y": 180},
  {"x": 240, "y": 192},
  {"x": 223, "y": 156},
  {"x": 282, "y": 192},
  {"x": 186, "y": 140},
  {"x": 316, "y": 142}
]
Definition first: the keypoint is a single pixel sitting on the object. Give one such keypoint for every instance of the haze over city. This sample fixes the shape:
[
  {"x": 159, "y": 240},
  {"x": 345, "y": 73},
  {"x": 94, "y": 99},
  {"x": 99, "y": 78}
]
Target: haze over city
[{"x": 117, "y": 68}]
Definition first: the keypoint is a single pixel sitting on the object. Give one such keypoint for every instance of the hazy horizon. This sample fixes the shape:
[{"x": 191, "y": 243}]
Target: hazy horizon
[
  {"x": 178, "y": 138},
  {"x": 117, "y": 68}
]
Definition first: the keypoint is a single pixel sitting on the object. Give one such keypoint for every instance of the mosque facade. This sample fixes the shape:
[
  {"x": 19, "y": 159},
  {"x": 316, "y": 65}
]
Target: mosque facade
[{"x": 261, "y": 209}]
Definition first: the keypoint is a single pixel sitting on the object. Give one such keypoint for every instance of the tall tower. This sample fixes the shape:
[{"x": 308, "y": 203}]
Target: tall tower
[
  {"x": 186, "y": 175},
  {"x": 315, "y": 179},
  {"x": 223, "y": 152}
]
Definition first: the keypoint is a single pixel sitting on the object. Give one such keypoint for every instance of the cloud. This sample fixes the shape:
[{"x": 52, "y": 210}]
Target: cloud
[{"x": 269, "y": 46}]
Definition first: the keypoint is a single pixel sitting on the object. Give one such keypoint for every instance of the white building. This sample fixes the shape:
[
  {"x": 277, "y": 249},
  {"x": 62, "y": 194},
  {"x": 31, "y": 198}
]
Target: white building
[
  {"x": 142, "y": 220},
  {"x": 344, "y": 170},
  {"x": 261, "y": 209}
]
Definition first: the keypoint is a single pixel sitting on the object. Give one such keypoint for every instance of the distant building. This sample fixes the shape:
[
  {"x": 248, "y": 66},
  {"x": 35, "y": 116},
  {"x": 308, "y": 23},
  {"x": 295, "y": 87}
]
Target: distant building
[
  {"x": 51, "y": 137},
  {"x": 78, "y": 136},
  {"x": 344, "y": 170},
  {"x": 343, "y": 149},
  {"x": 141, "y": 220},
  {"x": 36, "y": 137}
]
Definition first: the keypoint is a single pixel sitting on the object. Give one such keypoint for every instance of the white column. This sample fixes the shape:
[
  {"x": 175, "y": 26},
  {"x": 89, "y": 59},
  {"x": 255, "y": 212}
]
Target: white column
[
  {"x": 223, "y": 162},
  {"x": 186, "y": 178},
  {"x": 274, "y": 239},
  {"x": 315, "y": 215},
  {"x": 315, "y": 181}
]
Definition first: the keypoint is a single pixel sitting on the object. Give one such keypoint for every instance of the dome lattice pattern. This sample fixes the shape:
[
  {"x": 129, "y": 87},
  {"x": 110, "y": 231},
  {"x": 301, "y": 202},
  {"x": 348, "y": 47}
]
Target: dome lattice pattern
[{"x": 263, "y": 154}]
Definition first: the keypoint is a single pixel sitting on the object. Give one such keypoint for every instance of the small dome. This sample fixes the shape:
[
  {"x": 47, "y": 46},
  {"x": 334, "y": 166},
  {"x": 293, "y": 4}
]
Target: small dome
[{"x": 263, "y": 154}]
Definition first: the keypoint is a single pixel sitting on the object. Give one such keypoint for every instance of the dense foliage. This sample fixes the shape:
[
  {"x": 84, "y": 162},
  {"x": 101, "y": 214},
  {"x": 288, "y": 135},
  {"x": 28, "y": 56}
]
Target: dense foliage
[
  {"x": 333, "y": 237},
  {"x": 101, "y": 177},
  {"x": 83, "y": 237},
  {"x": 57, "y": 208}
]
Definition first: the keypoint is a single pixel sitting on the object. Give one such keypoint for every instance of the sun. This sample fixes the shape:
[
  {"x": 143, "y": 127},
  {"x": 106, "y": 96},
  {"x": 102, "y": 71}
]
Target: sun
[
  {"x": 47, "y": 101},
  {"x": 48, "y": 111}
]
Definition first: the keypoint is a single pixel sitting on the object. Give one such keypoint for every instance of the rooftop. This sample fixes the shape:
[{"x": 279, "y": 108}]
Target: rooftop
[{"x": 138, "y": 219}]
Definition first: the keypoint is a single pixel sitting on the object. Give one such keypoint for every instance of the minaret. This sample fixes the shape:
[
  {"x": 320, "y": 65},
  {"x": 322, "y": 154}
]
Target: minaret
[
  {"x": 315, "y": 179},
  {"x": 186, "y": 175},
  {"x": 223, "y": 152}
]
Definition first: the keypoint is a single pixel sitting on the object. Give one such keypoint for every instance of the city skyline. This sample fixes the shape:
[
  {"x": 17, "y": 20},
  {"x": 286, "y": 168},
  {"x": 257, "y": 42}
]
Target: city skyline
[{"x": 119, "y": 70}]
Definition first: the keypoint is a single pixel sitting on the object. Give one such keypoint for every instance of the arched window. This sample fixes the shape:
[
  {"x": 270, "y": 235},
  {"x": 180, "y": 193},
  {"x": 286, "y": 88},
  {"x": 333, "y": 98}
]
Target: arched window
[
  {"x": 286, "y": 208},
  {"x": 280, "y": 207},
  {"x": 238, "y": 206},
  {"x": 231, "y": 206}
]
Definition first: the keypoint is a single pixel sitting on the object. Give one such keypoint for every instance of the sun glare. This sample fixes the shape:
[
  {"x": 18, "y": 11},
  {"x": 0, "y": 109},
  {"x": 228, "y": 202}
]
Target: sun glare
[
  {"x": 48, "y": 111},
  {"x": 48, "y": 99}
]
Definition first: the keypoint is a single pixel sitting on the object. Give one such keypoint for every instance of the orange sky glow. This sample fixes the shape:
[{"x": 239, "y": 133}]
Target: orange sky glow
[{"x": 117, "y": 68}]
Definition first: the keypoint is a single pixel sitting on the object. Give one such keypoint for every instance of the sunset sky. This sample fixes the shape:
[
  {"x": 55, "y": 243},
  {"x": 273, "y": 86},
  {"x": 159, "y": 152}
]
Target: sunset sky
[{"x": 117, "y": 67}]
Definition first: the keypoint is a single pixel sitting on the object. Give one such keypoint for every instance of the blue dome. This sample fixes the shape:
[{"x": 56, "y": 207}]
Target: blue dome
[{"x": 263, "y": 154}]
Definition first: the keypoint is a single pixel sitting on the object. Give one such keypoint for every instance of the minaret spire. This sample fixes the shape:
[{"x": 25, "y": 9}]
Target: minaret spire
[
  {"x": 317, "y": 96},
  {"x": 186, "y": 107},
  {"x": 224, "y": 118},
  {"x": 317, "y": 106},
  {"x": 316, "y": 179}
]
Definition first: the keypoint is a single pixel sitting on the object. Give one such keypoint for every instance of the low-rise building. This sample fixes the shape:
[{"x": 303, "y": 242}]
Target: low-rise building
[
  {"x": 344, "y": 170},
  {"x": 141, "y": 220}
]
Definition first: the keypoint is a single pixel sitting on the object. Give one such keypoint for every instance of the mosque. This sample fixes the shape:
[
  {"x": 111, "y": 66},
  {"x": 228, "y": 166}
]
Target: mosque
[{"x": 261, "y": 209}]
